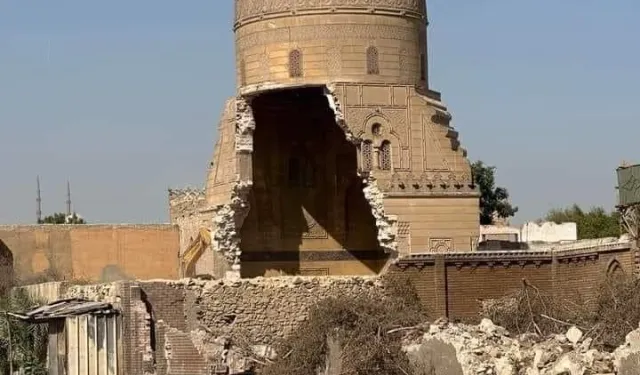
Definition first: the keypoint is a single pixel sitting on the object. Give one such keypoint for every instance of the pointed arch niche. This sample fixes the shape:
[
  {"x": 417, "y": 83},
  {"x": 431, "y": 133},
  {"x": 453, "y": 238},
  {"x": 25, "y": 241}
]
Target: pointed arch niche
[{"x": 615, "y": 272}]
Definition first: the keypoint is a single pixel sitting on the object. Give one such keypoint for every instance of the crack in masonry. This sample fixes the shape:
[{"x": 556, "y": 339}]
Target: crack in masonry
[
  {"x": 229, "y": 217},
  {"x": 386, "y": 224}
]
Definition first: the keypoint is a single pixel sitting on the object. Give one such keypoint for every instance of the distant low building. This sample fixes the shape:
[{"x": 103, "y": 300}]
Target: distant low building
[{"x": 530, "y": 232}]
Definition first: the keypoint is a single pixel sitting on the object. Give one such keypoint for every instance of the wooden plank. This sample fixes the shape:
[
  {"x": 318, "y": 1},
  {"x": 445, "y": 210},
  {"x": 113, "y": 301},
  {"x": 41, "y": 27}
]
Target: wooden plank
[
  {"x": 112, "y": 349},
  {"x": 83, "y": 346},
  {"x": 91, "y": 350},
  {"x": 72, "y": 345},
  {"x": 102, "y": 345}
]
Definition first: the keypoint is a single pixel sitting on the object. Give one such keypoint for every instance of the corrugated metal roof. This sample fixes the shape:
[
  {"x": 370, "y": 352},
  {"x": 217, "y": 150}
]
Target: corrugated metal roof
[{"x": 65, "y": 308}]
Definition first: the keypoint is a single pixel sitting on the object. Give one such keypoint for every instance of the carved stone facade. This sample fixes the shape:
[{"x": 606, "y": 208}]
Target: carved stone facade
[{"x": 335, "y": 156}]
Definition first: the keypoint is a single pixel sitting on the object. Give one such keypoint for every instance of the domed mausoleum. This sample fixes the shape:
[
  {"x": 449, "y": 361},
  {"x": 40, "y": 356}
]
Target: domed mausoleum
[{"x": 335, "y": 156}]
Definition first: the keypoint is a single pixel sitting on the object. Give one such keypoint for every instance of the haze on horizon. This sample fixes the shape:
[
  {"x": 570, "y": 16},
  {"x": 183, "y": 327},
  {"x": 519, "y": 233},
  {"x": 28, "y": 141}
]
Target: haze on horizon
[{"x": 123, "y": 99}]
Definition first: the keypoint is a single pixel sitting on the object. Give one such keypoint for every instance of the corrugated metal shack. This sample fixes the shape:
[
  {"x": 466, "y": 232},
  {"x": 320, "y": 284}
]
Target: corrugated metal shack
[{"x": 84, "y": 336}]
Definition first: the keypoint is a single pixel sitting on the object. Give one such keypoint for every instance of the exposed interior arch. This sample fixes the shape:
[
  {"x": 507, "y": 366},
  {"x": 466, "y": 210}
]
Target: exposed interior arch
[{"x": 306, "y": 192}]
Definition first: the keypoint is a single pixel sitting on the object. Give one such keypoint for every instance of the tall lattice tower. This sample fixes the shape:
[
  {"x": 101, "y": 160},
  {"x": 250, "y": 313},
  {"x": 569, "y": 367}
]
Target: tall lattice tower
[{"x": 38, "y": 201}]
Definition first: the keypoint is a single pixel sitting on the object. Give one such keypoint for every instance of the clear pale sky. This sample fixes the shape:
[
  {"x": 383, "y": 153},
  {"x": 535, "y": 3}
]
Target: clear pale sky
[{"x": 123, "y": 98}]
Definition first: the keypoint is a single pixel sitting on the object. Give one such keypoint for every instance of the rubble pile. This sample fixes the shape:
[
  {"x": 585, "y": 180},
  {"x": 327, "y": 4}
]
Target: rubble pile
[{"x": 487, "y": 349}]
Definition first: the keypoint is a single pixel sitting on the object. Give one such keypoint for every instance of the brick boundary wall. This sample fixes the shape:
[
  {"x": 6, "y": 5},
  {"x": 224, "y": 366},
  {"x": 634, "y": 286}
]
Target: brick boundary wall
[
  {"x": 94, "y": 252},
  {"x": 454, "y": 284}
]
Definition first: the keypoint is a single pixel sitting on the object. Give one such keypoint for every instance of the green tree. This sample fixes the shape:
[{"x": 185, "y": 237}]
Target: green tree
[
  {"x": 23, "y": 346},
  {"x": 61, "y": 218},
  {"x": 494, "y": 201},
  {"x": 595, "y": 223}
]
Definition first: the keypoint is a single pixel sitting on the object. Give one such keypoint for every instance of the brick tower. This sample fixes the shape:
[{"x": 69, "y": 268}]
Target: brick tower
[{"x": 335, "y": 156}]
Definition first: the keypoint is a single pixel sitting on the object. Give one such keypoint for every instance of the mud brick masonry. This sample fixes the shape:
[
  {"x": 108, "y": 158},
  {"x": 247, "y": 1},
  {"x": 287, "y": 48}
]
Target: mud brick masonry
[{"x": 91, "y": 252}]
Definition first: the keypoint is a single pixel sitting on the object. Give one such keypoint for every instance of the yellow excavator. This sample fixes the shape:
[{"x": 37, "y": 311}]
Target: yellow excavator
[{"x": 197, "y": 246}]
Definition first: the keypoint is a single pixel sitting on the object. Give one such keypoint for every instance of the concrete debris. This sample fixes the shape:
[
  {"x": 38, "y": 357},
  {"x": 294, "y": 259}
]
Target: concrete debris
[
  {"x": 487, "y": 349},
  {"x": 627, "y": 355},
  {"x": 574, "y": 335}
]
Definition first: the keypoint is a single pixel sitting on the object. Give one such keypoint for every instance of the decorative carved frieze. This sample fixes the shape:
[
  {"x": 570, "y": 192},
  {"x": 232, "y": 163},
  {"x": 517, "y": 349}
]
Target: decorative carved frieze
[
  {"x": 260, "y": 255},
  {"x": 404, "y": 228},
  {"x": 314, "y": 271},
  {"x": 440, "y": 245},
  {"x": 335, "y": 32},
  {"x": 246, "y": 10}
]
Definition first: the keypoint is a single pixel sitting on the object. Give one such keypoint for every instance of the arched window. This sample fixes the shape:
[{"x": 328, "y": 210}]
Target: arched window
[
  {"x": 295, "y": 64},
  {"x": 367, "y": 159},
  {"x": 373, "y": 66},
  {"x": 423, "y": 67},
  {"x": 385, "y": 156}
]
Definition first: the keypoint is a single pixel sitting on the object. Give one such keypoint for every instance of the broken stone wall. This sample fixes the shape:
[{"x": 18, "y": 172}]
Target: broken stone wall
[
  {"x": 194, "y": 326},
  {"x": 229, "y": 184}
]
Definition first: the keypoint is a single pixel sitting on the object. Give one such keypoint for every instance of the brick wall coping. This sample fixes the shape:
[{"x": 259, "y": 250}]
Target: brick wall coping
[
  {"x": 546, "y": 254},
  {"x": 278, "y": 282},
  {"x": 580, "y": 244},
  {"x": 88, "y": 226}
]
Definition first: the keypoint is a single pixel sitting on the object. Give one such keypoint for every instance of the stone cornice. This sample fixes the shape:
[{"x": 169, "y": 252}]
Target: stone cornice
[
  {"x": 429, "y": 184},
  {"x": 433, "y": 194},
  {"x": 249, "y": 11}
]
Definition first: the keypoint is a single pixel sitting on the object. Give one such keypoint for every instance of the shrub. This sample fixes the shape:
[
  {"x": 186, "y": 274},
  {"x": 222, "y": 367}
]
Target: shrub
[
  {"x": 27, "y": 343},
  {"x": 607, "y": 317},
  {"x": 368, "y": 332}
]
